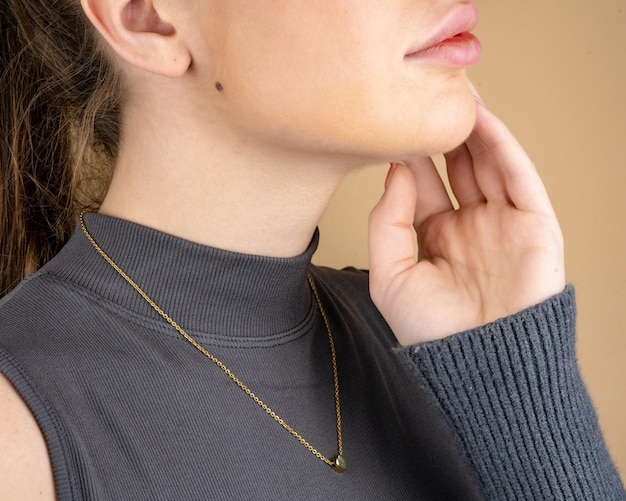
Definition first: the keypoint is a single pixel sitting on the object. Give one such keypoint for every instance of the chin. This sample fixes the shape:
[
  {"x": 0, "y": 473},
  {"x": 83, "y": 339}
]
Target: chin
[
  {"x": 450, "y": 126},
  {"x": 434, "y": 123},
  {"x": 454, "y": 134}
]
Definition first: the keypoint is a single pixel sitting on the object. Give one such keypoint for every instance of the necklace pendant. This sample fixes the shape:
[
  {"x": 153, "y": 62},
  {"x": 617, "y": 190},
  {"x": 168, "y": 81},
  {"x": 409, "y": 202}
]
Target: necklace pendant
[{"x": 339, "y": 464}]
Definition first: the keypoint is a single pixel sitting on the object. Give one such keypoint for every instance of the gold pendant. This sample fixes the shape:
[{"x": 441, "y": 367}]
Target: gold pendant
[{"x": 339, "y": 464}]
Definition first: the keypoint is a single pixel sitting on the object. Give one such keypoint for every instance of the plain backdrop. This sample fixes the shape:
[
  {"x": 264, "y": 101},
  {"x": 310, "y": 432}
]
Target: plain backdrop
[{"x": 555, "y": 72}]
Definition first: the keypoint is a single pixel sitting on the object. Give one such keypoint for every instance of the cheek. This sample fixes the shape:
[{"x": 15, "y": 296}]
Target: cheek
[
  {"x": 380, "y": 122},
  {"x": 308, "y": 88},
  {"x": 341, "y": 95},
  {"x": 374, "y": 117}
]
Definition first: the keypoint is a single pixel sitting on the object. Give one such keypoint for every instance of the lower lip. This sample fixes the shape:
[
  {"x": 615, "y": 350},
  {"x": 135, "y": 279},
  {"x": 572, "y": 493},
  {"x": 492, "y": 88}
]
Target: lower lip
[{"x": 461, "y": 50}]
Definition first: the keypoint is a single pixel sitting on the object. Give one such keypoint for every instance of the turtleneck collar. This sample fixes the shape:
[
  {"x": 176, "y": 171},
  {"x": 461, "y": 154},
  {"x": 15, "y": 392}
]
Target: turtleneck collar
[{"x": 204, "y": 289}]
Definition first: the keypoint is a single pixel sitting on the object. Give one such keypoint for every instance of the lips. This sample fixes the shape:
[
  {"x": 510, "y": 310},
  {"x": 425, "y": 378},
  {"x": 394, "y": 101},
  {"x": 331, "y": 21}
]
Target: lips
[{"x": 452, "y": 43}]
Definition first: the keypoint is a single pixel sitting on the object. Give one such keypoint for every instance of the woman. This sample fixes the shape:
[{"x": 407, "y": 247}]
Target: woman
[{"x": 181, "y": 345}]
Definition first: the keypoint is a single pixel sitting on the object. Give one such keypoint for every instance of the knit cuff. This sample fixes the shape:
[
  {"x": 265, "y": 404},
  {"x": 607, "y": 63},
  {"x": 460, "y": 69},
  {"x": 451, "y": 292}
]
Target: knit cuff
[{"x": 513, "y": 394}]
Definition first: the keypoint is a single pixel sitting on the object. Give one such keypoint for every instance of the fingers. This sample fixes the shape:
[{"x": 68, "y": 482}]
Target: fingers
[
  {"x": 460, "y": 167},
  {"x": 475, "y": 92},
  {"x": 414, "y": 192},
  {"x": 432, "y": 197},
  {"x": 391, "y": 237},
  {"x": 502, "y": 167}
]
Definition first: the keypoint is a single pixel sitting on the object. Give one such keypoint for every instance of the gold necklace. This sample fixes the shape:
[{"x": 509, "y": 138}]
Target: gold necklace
[{"x": 338, "y": 463}]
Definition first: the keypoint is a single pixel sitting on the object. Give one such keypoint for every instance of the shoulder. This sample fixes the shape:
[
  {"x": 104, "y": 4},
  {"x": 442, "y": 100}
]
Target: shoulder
[
  {"x": 24, "y": 463},
  {"x": 35, "y": 294},
  {"x": 44, "y": 310}
]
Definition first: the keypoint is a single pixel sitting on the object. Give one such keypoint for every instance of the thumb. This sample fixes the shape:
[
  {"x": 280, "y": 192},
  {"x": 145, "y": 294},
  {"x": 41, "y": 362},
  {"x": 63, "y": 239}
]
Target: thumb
[{"x": 391, "y": 236}]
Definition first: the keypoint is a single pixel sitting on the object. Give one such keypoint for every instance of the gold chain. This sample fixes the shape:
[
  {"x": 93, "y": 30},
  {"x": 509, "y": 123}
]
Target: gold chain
[{"x": 338, "y": 463}]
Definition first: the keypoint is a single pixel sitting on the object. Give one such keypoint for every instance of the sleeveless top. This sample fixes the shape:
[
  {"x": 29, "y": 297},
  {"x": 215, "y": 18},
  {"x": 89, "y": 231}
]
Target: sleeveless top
[{"x": 130, "y": 410}]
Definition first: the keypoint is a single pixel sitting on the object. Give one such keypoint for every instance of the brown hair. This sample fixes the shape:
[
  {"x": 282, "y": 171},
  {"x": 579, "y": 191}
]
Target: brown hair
[{"x": 59, "y": 129}]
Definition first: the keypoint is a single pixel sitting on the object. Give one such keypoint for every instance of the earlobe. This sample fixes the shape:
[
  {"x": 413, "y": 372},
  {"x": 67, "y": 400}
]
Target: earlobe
[{"x": 141, "y": 34}]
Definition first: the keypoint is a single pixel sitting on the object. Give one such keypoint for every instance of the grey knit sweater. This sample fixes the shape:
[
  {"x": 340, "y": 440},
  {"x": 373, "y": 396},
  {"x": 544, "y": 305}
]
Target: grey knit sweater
[{"x": 130, "y": 411}]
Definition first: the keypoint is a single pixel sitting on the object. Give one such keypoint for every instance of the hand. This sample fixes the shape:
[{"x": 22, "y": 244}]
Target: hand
[{"x": 499, "y": 253}]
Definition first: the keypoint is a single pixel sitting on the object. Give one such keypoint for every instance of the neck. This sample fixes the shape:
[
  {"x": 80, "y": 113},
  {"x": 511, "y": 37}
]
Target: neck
[{"x": 221, "y": 191}]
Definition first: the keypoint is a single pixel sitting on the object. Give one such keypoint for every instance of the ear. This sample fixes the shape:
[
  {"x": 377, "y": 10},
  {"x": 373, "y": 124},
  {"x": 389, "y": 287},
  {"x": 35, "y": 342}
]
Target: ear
[{"x": 141, "y": 33}]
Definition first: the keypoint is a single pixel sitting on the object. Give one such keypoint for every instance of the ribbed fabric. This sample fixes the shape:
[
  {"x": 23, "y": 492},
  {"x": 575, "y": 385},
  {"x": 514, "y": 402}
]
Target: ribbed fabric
[
  {"x": 138, "y": 413},
  {"x": 65, "y": 481},
  {"x": 520, "y": 410},
  {"x": 215, "y": 291},
  {"x": 131, "y": 411}
]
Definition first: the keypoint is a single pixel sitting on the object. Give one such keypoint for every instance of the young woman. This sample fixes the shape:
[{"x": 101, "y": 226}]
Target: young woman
[{"x": 180, "y": 345}]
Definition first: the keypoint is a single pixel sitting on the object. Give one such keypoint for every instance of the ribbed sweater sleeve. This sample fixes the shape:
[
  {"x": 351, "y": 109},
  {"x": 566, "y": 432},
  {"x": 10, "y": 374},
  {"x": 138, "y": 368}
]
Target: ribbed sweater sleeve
[{"x": 513, "y": 394}]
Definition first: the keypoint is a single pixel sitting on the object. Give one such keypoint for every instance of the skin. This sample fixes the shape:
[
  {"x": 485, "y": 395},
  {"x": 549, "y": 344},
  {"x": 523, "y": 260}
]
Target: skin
[
  {"x": 499, "y": 253},
  {"x": 311, "y": 91},
  {"x": 329, "y": 95},
  {"x": 25, "y": 468}
]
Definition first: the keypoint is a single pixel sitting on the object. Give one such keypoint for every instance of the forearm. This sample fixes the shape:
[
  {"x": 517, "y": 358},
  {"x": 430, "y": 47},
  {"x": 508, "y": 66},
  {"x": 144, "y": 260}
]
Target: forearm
[{"x": 513, "y": 393}]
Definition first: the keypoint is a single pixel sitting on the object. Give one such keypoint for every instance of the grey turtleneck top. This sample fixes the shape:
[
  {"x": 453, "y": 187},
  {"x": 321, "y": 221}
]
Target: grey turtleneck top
[{"x": 131, "y": 411}]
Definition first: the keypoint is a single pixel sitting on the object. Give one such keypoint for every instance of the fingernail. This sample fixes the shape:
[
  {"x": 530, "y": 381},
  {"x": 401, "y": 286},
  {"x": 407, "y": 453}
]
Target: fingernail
[
  {"x": 475, "y": 92},
  {"x": 392, "y": 168}
]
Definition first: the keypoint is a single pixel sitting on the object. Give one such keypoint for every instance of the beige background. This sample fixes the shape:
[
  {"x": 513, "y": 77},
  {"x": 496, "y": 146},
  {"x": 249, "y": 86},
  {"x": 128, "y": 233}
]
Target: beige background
[{"x": 555, "y": 71}]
